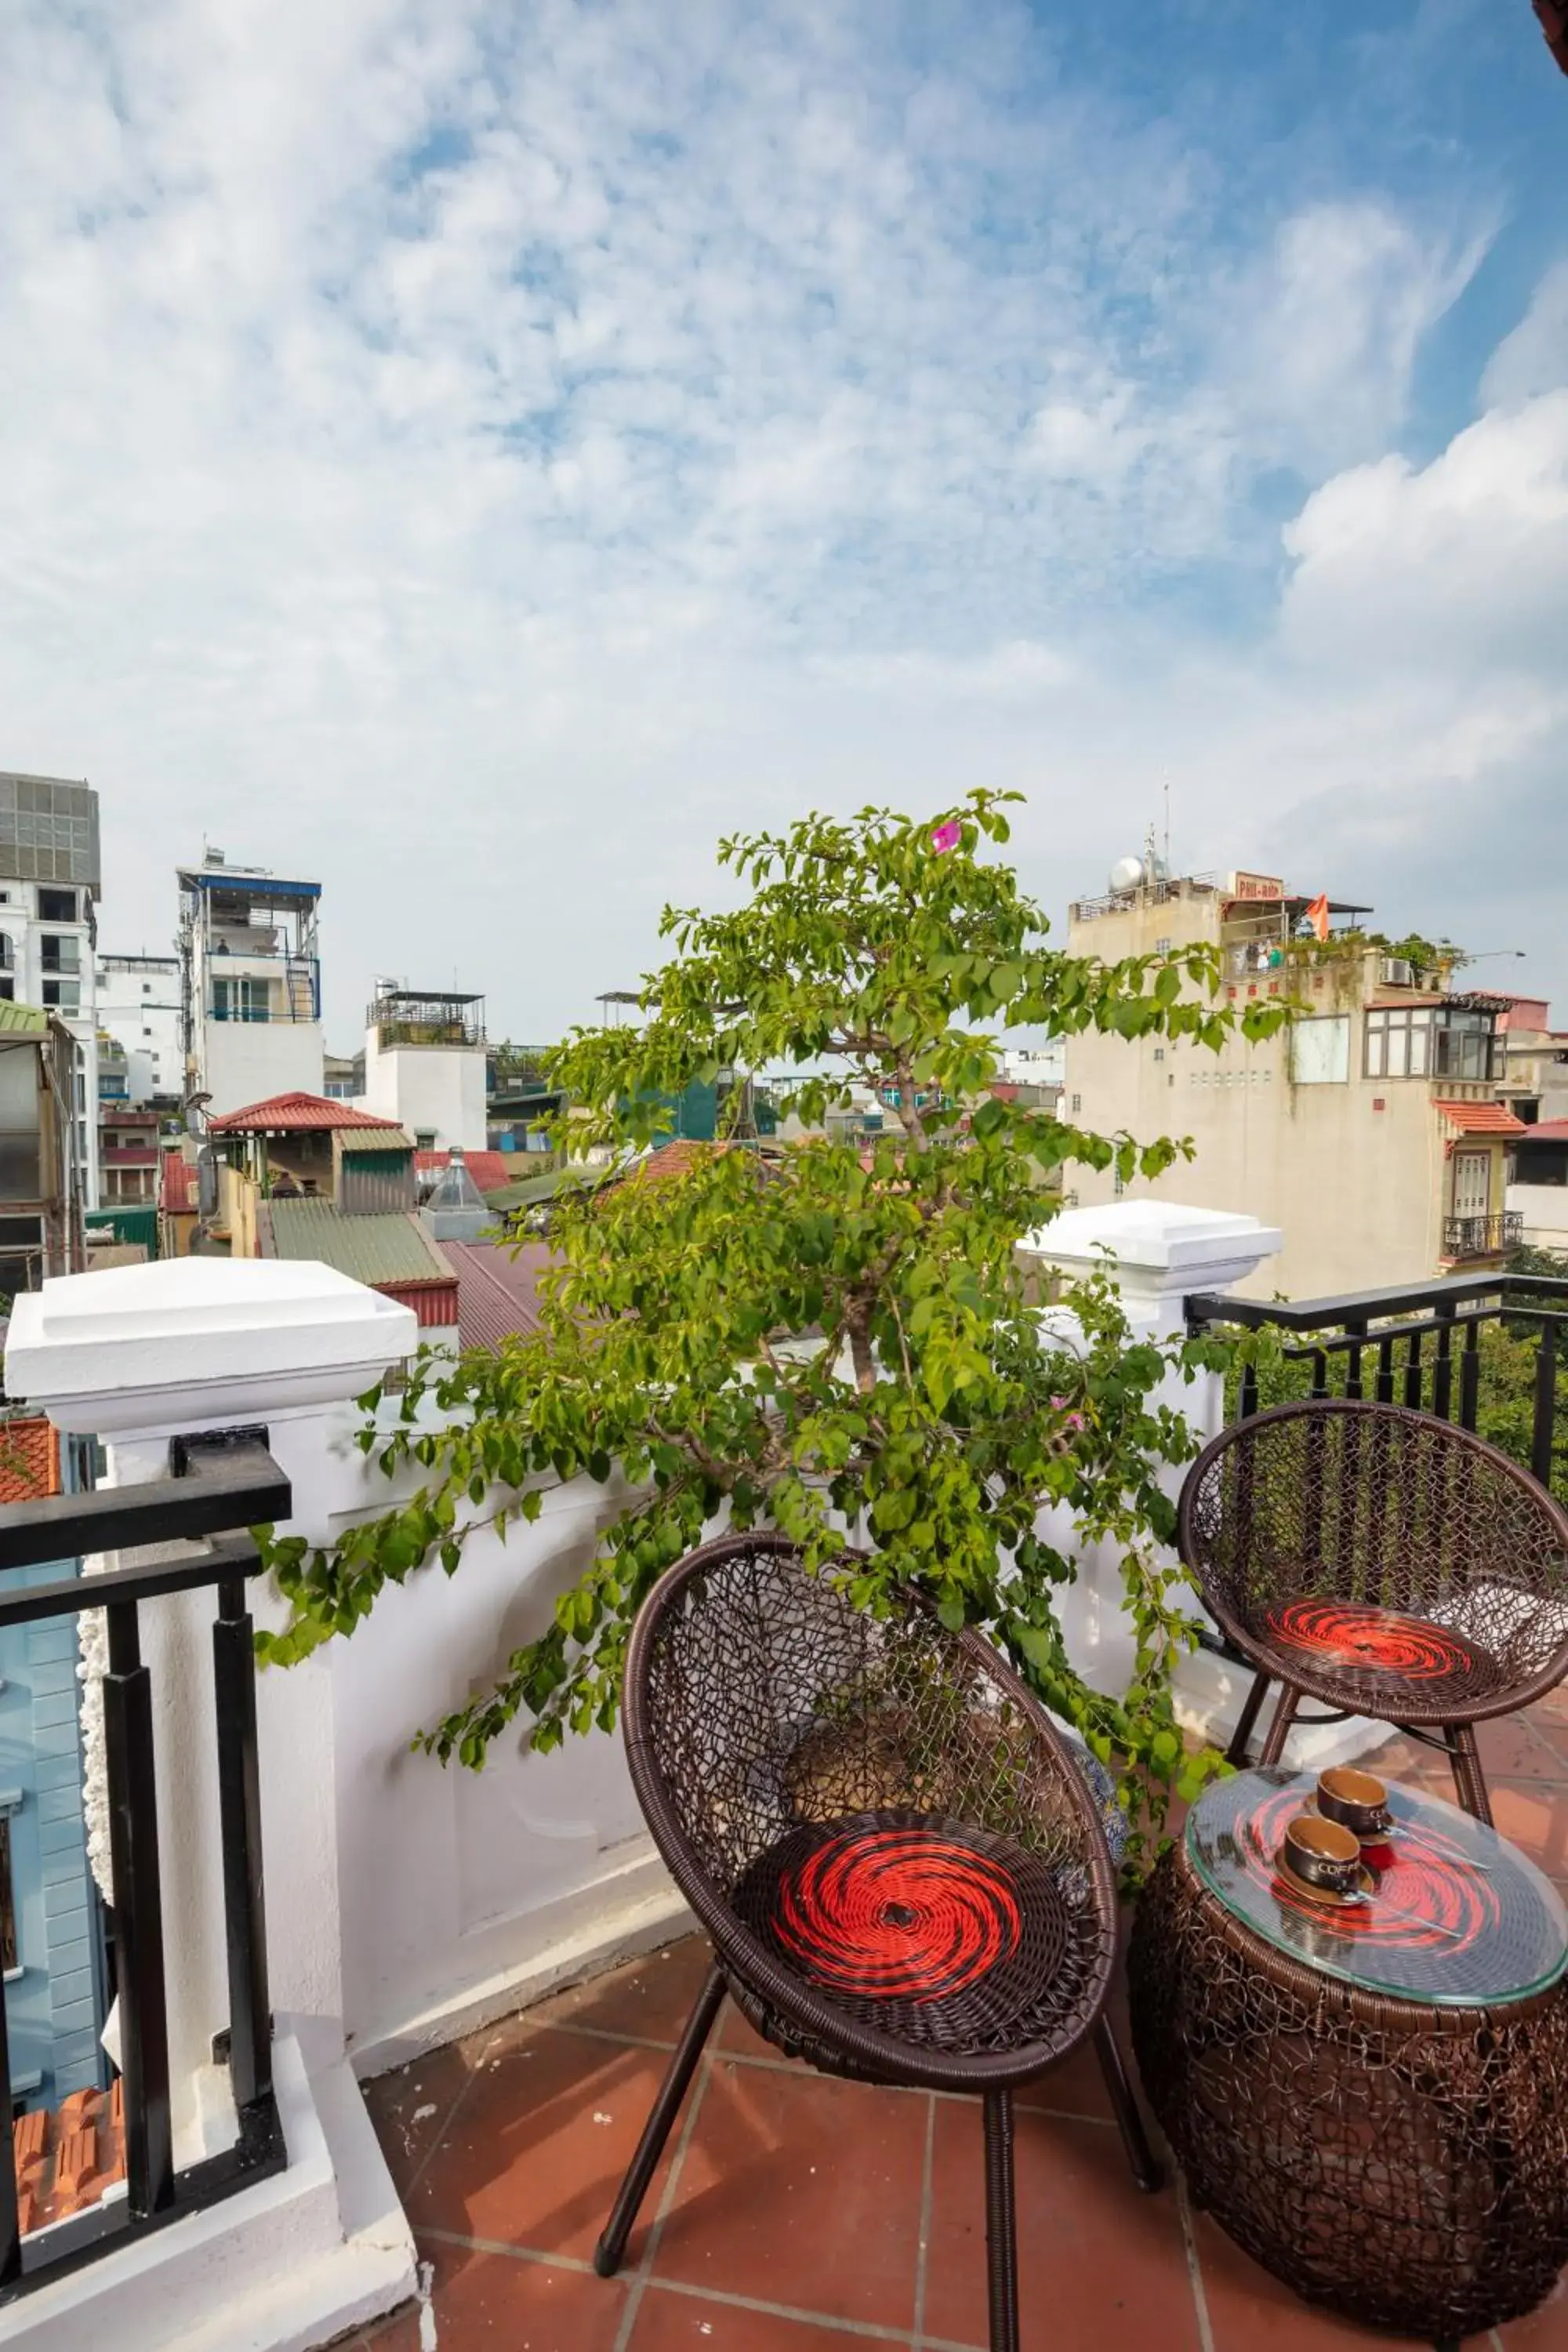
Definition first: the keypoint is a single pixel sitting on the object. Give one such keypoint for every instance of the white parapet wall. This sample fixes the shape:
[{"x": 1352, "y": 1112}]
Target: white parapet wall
[{"x": 405, "y": 1903}]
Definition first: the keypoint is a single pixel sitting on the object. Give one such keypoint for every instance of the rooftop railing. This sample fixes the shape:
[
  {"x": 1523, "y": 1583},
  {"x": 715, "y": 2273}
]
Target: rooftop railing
[{"x": 216, "y": 1485}]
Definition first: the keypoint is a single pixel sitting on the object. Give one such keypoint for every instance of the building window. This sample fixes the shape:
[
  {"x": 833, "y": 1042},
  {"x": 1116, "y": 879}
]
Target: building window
[
  {"x": 1120, "y": 1185},
  {"x": 1077, "y": 1103},
  {"x": 1321, "y": 1051},
  {"x": 58, "y": 907},
  {"x": 63, "y": 995},
  {"x": 1399, "y": 1043},
  {"x": 1159, "y": 1053},
  {"x": 1435, "y": 1041},
  {"x": 240, "y": 1000},
  {"x": 425, "y": 1139}
]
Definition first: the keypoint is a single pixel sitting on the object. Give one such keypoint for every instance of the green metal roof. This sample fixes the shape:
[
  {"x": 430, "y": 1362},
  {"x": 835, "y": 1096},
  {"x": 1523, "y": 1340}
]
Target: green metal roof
[
  {"x": 355, "y": 1139},
  {"x": 24, "y": 1020},
  {"x": 390, "y": 1245}
]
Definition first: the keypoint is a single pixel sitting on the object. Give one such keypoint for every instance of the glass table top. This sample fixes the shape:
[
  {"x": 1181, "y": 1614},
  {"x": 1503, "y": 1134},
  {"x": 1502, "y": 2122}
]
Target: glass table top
[{"x": 1455, "y": 1915}]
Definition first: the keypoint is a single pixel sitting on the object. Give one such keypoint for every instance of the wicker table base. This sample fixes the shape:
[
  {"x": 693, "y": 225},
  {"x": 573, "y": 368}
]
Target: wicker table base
[{"x": 1402, "y": 2164}]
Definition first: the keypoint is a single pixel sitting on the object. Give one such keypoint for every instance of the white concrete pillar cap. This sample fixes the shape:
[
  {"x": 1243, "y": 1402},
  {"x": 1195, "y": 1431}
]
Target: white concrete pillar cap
[
  {"x": 193, "y": 1340},
  {"x": 1156, "y": 1247}
]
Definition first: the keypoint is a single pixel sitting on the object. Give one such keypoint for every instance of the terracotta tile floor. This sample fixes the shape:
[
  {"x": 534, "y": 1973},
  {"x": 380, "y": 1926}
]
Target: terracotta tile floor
[{"x": 798, "y": 2214}]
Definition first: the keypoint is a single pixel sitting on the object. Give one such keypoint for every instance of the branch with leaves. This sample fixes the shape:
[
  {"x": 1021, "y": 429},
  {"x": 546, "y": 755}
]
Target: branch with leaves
[{"x": 837, "y": 1335}]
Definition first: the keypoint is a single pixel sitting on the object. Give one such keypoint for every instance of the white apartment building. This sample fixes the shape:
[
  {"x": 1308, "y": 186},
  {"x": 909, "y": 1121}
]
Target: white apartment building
[
  {"x": 50, "y": 880},
  {"x": 139, "y": 1007},
  {"x": 251, "y": 984},
  {"x": 424, "y": 1067}
]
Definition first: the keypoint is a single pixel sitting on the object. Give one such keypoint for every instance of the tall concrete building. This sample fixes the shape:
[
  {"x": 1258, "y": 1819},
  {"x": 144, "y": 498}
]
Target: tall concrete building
[
  {"x": 1369, "y": 1130},
  {"x": 139, "y": 1007},
  {"x": 50, "y": 882},
  {"x": 251, "y": 984},
  {"x": 424, "y": 1067}
]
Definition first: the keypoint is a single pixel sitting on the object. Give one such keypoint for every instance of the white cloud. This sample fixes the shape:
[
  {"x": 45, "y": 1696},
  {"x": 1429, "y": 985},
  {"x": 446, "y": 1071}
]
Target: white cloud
[
  {"x": 1534, "y": 358},
  {"x": 484, "y": 454}
]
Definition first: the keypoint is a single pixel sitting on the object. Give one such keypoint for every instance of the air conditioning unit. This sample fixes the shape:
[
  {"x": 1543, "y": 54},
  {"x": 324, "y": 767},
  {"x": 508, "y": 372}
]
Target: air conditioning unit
[{"x": 1398, "y": 971}]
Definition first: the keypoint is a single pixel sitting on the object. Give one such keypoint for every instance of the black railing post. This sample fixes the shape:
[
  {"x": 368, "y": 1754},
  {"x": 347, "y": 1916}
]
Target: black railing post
[
  {"x": 10, "y": 2228},
  {"x": 1545, "y": 1403},
  {"x": 138, "y": 1917},
  {"x": 1443, "y": 1371},
  {"x": 239, "y": 1814},
  {"x": 1471, "y": 1377}
]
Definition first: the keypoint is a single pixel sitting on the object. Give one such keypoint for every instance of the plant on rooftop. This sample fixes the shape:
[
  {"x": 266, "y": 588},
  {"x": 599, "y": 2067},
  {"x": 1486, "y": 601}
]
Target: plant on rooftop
[{"x": 838, "y": 1335}]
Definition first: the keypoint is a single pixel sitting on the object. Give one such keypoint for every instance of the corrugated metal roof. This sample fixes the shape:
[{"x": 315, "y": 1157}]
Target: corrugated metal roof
[
  {"x": 178, "y": 1194},
  {"x": 290, "y": 1114},
  {"x": 498, "y": 1289},
  {"x": 1548, "y": 1130},
  {"x": 1482, "y": 1119},
  {"x": 24, "y": 1020},
  {"x": 488, "y": 1169},
  {"x": 390, "y": 1246},
  {"x": 375, "y": 1139}
]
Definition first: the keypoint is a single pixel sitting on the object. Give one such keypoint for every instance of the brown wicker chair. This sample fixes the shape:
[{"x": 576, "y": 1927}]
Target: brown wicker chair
[
  {"x": 1383, "y": 1563},
  {"x": 901, "y": 1870}
]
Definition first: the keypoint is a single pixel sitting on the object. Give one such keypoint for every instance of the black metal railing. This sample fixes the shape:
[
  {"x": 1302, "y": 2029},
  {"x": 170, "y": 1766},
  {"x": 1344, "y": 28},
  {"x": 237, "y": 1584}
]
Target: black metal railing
[
  {"x": 216, "y": 1485},
  {"x": 1420, "y": 1347},
  {"x": 1483, "y": 1237}
]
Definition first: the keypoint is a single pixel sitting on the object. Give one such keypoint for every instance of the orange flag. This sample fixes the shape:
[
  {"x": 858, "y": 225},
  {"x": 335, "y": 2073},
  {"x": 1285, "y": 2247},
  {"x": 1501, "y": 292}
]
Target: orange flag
[{"x": 1318, "y": 915}]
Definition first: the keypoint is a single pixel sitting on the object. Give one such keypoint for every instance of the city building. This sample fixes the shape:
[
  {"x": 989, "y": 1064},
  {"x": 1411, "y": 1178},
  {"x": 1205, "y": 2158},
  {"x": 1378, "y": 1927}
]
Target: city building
[
  {"x": 305, "y": 1178},
  {"x": 251, "y": 984},
  {"x": 50, "y": 881},
  {"x": 41, "y": 1184},
  {"x": 139, "y": 1008},
  {"x": 1369, "y": 1130},
  {"x": 1533, "y": 1081},
  {"x": 128, "y": 1155},
  {"x": 1538, "y": 1185},
  {"x": 342, "y": 1077},
  {"x": 424, "y": 1067}
]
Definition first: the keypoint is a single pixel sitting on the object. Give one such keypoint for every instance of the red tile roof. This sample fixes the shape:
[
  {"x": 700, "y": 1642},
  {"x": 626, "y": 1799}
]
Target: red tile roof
[
  {"x": 29, "y": 1461},
  {"x": 177, "y": 1197},
  {"x": 488, "y": 1169},
  {"x": 675, "y": 1159},
  {"x": 291, "y": 1115},
  {"x": 1550, "y": 1130},
  {"x": 498, "y": 1291},
  {"x": 1482, "y": 1119}
]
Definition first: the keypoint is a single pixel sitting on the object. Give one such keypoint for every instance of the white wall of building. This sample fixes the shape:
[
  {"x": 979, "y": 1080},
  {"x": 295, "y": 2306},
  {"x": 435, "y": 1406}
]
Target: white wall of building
[
  {"x": 436, "y": 1090},
  {"x": 243, "y": 1062},
  {"x": 1544, "y": 1208},
  {"x": 139, "y": 1005}
]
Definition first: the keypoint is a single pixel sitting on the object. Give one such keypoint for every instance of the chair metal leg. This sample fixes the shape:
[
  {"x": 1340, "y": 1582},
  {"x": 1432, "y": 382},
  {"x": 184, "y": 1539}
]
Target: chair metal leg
[
  {"x": 1247, "y": 1721},
  {"x": 612, "y": 2246},
  {"x": 1001, "y": 2222},
  {"x": 1280, "y": 1727},
  {"x": 1145, "y": 2165},
  {"x": 1469, "y": 1780}
]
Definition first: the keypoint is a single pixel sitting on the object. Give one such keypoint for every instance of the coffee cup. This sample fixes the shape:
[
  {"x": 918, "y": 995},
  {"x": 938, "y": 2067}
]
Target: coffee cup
[
  {"x": 1323, "y": 1854},
  {"x": 1355, "y": 1799}
]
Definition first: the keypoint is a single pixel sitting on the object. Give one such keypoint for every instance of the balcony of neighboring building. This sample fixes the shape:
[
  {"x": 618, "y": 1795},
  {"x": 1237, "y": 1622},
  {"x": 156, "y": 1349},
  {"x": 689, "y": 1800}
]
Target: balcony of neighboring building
[{"x": 400, "y": 1017}]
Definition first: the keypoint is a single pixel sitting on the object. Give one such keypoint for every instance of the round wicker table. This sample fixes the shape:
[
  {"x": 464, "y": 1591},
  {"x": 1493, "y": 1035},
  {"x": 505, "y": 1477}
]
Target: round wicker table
[{"x": 1372, "y": 2099}]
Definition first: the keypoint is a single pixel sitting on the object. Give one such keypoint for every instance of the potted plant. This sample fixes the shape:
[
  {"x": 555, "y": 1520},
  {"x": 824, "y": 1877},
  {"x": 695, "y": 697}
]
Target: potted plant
[{"x": 833, "y": 1334}]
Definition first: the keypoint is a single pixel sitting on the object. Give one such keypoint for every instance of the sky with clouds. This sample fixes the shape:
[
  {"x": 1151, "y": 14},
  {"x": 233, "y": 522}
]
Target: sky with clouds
[{"x": 476, "y": 454}]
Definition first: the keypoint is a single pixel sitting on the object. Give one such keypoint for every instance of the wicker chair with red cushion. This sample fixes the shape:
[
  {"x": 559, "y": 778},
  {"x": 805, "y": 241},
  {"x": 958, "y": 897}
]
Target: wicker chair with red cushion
[
  {"x": 1383, "y": 1563},
  {"x": 902, "y": 1874}
]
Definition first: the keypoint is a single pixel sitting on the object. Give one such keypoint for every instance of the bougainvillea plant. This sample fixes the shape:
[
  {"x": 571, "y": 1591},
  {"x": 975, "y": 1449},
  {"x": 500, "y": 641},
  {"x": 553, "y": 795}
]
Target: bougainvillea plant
[{"x": 837, "y": 1333}]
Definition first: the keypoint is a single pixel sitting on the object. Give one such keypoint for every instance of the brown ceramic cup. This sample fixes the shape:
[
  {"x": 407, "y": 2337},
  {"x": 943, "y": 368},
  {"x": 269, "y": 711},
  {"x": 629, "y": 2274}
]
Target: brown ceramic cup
[
  {"x": 1323, "y": 1854},
  {"x": 1355, "y": 1799}
]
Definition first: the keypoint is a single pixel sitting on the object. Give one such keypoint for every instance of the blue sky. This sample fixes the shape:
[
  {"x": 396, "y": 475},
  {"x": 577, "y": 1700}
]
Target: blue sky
[{"x": 477, "y": 455}]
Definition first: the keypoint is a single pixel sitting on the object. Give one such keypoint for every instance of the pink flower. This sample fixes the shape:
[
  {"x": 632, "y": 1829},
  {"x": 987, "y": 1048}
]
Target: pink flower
[
  {"x": 1074, "y": 1420},
  {"x": 947, "y": 836}
]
